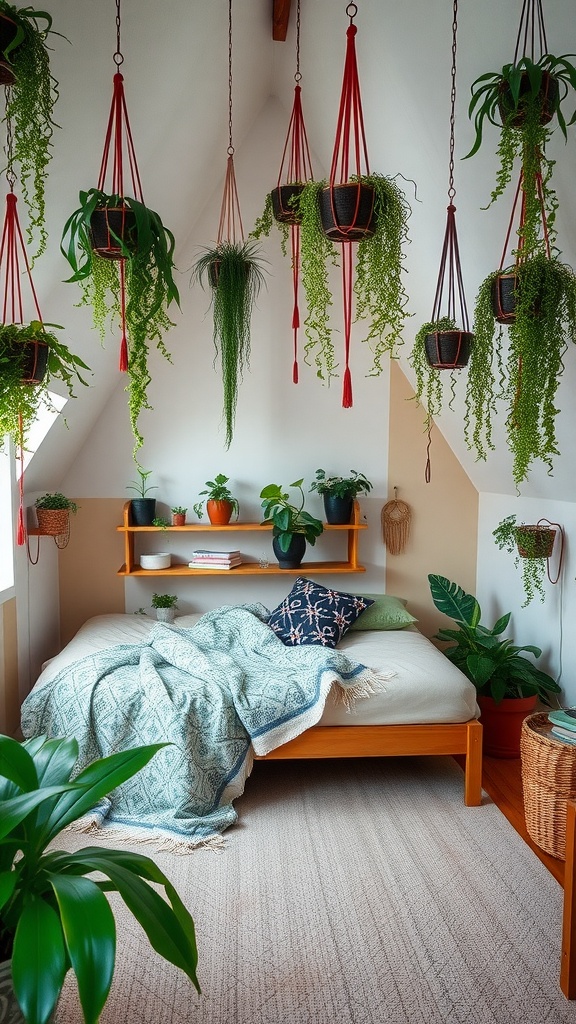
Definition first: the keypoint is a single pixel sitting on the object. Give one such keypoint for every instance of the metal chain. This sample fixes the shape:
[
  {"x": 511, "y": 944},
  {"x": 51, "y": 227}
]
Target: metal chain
[
  {"x": 298, "y": 76},
  {"x": 451, "y": 189},
  {"x": 118, "y": 56},
  {"x": 351, "y": 11},
  {"x": 230, "y": 146}
]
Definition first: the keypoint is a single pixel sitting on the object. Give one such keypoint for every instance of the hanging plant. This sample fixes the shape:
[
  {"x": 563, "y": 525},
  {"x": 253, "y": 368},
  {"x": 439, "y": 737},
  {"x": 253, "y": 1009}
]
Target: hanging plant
[
  {"x": 145, "y": 258},
  {"x": 429, "y": 382},
  {"x": 378, "y": 287},
  {"x": 31, "y": 96},
  {"x": 532, "y": 546},
  {"x": 233, "y": 271}
]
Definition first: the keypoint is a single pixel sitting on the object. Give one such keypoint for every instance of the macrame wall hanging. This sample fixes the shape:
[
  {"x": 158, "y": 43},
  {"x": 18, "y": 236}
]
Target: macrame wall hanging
[{"x": 396, "y": 518}]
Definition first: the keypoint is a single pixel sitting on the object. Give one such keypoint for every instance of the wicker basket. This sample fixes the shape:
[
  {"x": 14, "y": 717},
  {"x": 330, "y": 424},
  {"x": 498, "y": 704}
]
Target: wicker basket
[
  {"x": 54, "y": 522},
  {"x": 548, "y": 781}
]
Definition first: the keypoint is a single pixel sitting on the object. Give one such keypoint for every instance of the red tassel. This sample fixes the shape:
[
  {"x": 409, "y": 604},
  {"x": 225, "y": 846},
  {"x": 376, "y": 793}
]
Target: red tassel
[
  {"x": 295, "y": 372},
  {"x": 20, "y": 532},
  {"x": 123, "y": 355},
  {"x": 347, "y": 389}
]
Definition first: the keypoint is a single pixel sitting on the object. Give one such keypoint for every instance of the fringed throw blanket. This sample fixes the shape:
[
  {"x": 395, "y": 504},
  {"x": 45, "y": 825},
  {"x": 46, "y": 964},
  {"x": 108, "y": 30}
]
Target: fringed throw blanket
[{"x": 211, "y": 691}]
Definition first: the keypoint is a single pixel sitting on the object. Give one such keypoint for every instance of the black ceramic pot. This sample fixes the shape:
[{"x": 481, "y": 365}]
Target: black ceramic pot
[
  {"x": 337, "y": 510},
  {"x": 8, "y": 30},
  {"x": 347, "y": 211},
  {"x": 504, "y": 298},
  {"x": 35, "y": 361},
  {"x": 448, "y": 350},
  {"x": 291, "y": 558},
  {"x": 547, "y": 99},
  {"x": 282, "y": 209},
  {"x": 143, "y": 511},
  {"x": 107, "y": 225}
]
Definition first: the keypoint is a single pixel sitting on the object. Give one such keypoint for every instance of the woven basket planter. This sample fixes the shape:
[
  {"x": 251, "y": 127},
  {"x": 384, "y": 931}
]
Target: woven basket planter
[
  {"x": 547, "y": 99},
  {"x": 35, "y": 361},
  {"x": 448, "y": 350},
  {"x": 548, "y": 781},
  {"x": 283, "y": 210},
  {"x": 107, "y": 225},
  {"x": 54, "y": 522},
  {"x": 347, "y": 211},
  {"x": 535, "y": 541}
]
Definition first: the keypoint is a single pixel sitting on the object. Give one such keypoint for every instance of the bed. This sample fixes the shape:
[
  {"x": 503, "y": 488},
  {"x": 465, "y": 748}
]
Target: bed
[{"x": 425, "y": 707}]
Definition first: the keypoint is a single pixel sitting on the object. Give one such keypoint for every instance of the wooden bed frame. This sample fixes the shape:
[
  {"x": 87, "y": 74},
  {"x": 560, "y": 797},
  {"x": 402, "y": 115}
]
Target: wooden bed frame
[{"x": 394, "y": 741}]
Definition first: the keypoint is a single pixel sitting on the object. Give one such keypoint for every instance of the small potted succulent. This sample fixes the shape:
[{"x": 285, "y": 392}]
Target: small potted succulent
[
  {"x": 54, "y": 915},
  {"x": 338, "y": 493},
  {"x": 178, "y": 515},
  {"x": 53, "y": 514},
  {"x": 292, "y": 526},
  {"x": 220, "y": 503},
  {"x": 532, "y": 545},
  {"x": 165, "y": 605},
  {"x": 142, "y": 508}
]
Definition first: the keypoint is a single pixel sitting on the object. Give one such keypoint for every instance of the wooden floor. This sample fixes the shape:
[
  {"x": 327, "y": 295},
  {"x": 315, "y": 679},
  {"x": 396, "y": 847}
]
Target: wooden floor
[{"x": 502, "y": 780}]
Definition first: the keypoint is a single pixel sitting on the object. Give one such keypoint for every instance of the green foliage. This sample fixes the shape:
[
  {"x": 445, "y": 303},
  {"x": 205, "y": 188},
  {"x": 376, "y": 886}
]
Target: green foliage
[
  {"x": 179, "y": 510},
  {"x": 233, "y": 271},
  {"x": 30, "y": 105},
  {"x": 529, "y": 373},
  {"x": 140, "y": 485},
  {"x": 508, "y": 534},
  {"x": 266, "y": 220},
  {"x": 216, "y": 490},
  {"x": 316, "y": 253},
  {"x": 341, "y": 486},
  {"x": 429, "y": 380},
  {"x": 18, "y": 399},
  {"x": 164, "y": 600},
  {"x": 496, "y": 666},
  {"x": 56, "y": 501},
  {"x": 150, "y": 286},
  {"x": 161, "y": 522},
  {"x": 288, "y": 519},
  {"x": 53, "y": 917}
]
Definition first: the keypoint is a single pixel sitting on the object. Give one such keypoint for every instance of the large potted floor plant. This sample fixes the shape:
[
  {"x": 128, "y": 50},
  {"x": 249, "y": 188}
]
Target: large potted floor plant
[
  {"x": 508, "y": 683},
  {"x": 31, "y": 356},
  {"x": 292, "y": 526},
  {"x": 53, "y": 918},
  {"x": 233, "y": 272},
  {"x": 105, "y": 237}
]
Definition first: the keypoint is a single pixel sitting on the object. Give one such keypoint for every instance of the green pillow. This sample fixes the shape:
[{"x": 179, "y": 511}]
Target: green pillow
[{"x": 387, "y": 612}]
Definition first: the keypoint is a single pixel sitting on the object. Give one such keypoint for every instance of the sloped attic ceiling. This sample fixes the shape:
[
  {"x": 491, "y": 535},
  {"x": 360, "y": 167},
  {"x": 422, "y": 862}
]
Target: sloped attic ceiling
[{"x": 176, "y": 86}]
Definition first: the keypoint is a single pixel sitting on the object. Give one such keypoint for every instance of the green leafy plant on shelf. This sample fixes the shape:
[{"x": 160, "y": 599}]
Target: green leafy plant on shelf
[
  {"x": 379, "y": 291},
  {"x": 234, "y": 273},
  {"x": 31, "y": 95},
  {"x": 164, "y": 600},
  {"x": 147, "y": 252},
  {"x": 288, "y": 518},
  {"x": 20, "y": 400},
  {"x": 53, "y": 917},
  {"x": 56, "y": 500},
  {"x": 141, "y": 486},
  {"x": 494, "y": 664},
  {"x": 217, "y": 490},
  {"x": 529, "y": 545},
  {"x": 161, "y": 522},
  {"x": 341, "y": 486}
]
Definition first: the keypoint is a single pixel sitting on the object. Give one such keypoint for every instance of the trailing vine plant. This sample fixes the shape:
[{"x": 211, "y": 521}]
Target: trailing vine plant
[{"x": 429, "y": 380}]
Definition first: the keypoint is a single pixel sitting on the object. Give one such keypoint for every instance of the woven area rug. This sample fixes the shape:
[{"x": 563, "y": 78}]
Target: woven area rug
[{"x": 353, "y": 892}]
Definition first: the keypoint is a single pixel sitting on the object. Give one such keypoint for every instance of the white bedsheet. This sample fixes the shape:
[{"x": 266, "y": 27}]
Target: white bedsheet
[{"x": 426, "y": 687}]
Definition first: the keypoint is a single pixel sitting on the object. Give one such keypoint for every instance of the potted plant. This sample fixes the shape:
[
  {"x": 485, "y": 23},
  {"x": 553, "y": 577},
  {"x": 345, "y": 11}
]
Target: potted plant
[
  {"x": 531, "y": 545},
  {"x": 30, "y": 358},
  {"x": 438, "y": 345},
  {"x": 178, "y": 515},
  {"x": 165, "y": 605},
  {"x": 107, "y": 231},
  {"x": 507, "y": 683},
  {"x": 52, "y": 916},
  {"x": 53, "y": 513},
  {"x": 220, "y": 502},
  {"x": 378, "y": 288},
  {"x": 339, "y": 492},
  {"x": 292, "y": 526},
  {"x": 233, "y": 271},
  {"x": 142, "y": 508},
  {"x": 30, "y": 102},
  {"x": 545, "y": 316}
]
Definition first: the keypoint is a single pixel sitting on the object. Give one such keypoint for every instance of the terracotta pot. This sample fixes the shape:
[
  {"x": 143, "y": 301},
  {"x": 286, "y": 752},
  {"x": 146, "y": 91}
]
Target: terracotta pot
[
  {"x": 535, "y": 541},
  {"x": 283, "y": 211},
  {"x": 448, "y": 350},
  {"x": 53, "y": 522},
  {"x": 502, "y": 724},
  {"x": 347, "y": 211},
  {"x": 178, "y": 519},
  {"x": 107, "y": 225},
  {"x": 219, "y": 512},
  {"x": 547, "y": 98}
]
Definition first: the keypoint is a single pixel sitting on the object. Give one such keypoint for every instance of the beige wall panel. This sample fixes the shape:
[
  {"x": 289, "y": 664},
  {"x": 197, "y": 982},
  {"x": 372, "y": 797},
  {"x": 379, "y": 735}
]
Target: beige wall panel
[
  {"x": 88, "y": 566},
  {"x": 10, "y": 704},
  {"x": 444, "y": 527}
]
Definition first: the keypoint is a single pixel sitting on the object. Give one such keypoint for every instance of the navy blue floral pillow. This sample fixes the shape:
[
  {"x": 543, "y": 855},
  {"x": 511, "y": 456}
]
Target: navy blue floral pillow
[{"x": 312, "y": 614}]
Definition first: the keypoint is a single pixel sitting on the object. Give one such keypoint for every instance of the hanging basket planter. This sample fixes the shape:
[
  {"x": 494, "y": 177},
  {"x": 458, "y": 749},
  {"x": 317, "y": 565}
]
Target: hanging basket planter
[
  {"x": 535, "y": 541},
  {"x": 53, "y": 522},
  {"x": 113, "y": 231},
  {"x": 347, "y": 211},
  {"x": 8, "y": 32},
  {"x": 285, "y": 203},
  {"x": 33, "y": 360},
  {"x": 505, "y": 293},
  {"x": 448, "y": 350},
  {"x": 546, "y": 99}
]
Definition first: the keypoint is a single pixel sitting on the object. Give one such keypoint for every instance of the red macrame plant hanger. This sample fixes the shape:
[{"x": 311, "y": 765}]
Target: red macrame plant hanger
[
  {"x": 350, "y": 156},
  {"x": 295, "y": 171},
  {"x": 118, "y": 150}
]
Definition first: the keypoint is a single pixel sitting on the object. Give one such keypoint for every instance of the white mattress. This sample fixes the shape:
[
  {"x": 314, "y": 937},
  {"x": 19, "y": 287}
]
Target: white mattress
[{"x": 425, "y": 688}]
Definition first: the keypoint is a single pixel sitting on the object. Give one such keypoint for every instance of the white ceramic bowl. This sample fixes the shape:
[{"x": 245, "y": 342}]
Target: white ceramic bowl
[{"x": 160, "y": 560}]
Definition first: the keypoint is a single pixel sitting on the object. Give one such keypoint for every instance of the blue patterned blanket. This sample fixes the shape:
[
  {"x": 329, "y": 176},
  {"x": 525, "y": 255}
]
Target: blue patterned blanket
[{"x": 217, "y": 692}]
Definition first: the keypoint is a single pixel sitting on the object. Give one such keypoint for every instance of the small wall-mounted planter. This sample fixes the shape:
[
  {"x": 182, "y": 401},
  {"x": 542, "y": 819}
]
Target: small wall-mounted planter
[
  {"x": 535, "y": 541},
  {"x": 347, "y": 211},
  {"x": 448, "y": 350}
]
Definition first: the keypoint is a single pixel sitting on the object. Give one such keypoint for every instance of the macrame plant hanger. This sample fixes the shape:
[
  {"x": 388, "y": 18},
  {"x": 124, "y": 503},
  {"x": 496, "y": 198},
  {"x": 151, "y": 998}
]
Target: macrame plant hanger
[
  {"x": 350, "y": 156},
  {"x": 14, "y": 267},
  {"x": 449, "y": 350},
  {"x": 118, "y": 149},
  {"x": 295, "y": 171},
  {"x": 230, "y": 227}
]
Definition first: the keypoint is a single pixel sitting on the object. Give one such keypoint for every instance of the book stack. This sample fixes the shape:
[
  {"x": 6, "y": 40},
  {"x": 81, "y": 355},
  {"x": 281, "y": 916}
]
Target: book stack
[
  {"x": 563, "y": 725},
  {"x": 203, "y": 558}
]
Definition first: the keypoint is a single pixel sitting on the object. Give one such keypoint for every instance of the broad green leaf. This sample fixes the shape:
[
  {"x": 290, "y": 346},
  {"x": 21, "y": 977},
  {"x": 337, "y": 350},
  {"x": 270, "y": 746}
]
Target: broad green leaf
[
  {"x": 481, "y": 669},
  {"x": 39, "y": 961},
  {"x": 450, "y": 599},
  {"x": 502, "y": 623},
  {"x": 17, "y": 765},
  {"x": 15, "y": 810},
  {"x": 90, "y": 934},
  {"x": 55, "y": 760},
  {"x": 7, "y": 886}
]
